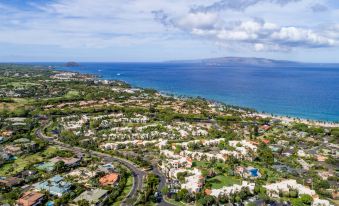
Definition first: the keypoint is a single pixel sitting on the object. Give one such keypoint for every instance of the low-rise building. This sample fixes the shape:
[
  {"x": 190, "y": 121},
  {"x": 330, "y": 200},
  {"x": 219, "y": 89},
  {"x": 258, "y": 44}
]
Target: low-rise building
[
  {"x": 45, "y": 166},
  {"x": 321, "y": 202},
  {"x": 15, "y": 150},
  {"x": 230, "y": 189},
  {"x": 55, "y": 186},
  {"x": 10, "y": 182},
  {"x": 95, "y": 197},
  {"x": 249, "y": 172},
  {"x": 194, "y": 182},
  {"x": 106, "y": 168},
  {"x": 31, "y": 198},
  {"x": 274, "y": 189},
  {"x": 69, "y": 161},
  {"x": 109, "y": 179},
  {"x": 82, "y": 175}
]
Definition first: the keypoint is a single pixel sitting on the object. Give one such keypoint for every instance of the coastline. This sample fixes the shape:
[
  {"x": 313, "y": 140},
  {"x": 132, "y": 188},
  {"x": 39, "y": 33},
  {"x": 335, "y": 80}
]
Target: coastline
[
  {"x": 254, "y": 112},
  {"x": 297, "y": 120}
]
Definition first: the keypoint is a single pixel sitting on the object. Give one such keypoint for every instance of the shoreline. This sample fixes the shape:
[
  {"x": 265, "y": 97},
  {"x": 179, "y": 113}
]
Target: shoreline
[
  {"x": 254, "y": 112},
  {"x": 298, "y": 120}
]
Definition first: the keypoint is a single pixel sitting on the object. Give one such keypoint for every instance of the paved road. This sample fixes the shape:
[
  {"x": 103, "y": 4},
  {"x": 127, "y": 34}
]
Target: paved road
[
  {"x": 161, "y": 185},
  {"x": 138, "y": 174}
]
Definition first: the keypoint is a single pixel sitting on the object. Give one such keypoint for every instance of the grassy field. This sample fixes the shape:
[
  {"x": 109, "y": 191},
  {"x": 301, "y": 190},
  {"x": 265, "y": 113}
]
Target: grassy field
[
  {"x": 175, "y": 202},
  {"x": 125, "y": 192},
  {"x": 17, "y": 104},
  {"x": 205, "y": 164},
  {"x": 21, "y": 84},
  {"x": 19, "y": 164},
  {"x": 72, "y": 93},
  {"x": 200, "y": 163},
  {"x": 50, "y": 151},
  {"x": 222, "y": 180}
]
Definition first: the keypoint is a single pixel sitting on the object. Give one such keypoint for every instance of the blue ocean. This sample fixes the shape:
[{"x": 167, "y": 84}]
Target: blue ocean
[{"x": 310, "y": 92}]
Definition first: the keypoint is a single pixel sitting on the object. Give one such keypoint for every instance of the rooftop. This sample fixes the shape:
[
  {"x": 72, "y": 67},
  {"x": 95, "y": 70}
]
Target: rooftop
[
  {"x": 92, "y": 196},
  {"x": 30, "y": 198},
  {"x": 55, "y": 185},
  {"x": 109, "y": 179}
]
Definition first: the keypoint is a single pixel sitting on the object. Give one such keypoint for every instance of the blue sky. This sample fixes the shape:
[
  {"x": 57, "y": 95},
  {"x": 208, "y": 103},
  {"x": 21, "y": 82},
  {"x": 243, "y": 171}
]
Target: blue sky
[{"x": 157, "y": 30}]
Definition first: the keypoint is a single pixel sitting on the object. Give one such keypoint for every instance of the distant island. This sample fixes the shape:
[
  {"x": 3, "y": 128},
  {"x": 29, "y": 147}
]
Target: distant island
[
  {"x": 249, "y": 61},
  {"x": 72, "y": 64}
]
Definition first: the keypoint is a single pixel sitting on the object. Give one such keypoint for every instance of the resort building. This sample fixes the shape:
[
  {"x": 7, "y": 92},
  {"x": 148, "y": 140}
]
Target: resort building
[
  {"x": 320, "y": 202},
  {"x": 230, "y": 189},
  {"x": 285, "y": 186},
  {"x": 115, "y": 145},
  {"x": 249, "y": 172},
  {"x": 194, "y": 182}
]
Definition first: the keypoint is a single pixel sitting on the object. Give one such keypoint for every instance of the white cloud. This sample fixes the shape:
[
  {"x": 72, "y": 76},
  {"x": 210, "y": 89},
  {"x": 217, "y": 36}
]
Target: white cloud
[
  {"x": 260, "y": 34},
  {"x": 236, "y": 35},
  {"x": 198, "y": 20},
  {"x": 255, "y": 24},
  {"x": 238, "y": 4},
  {"x": 259, "y": 47},
  {"x": 305, "y": 37}
]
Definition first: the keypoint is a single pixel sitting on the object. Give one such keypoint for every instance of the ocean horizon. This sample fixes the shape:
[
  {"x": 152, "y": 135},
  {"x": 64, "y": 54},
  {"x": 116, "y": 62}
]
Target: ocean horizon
[{"x": 303, "y": 91}]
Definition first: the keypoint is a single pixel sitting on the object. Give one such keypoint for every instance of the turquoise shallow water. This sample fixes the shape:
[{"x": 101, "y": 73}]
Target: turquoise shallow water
[{"x": 310, "y": 92}]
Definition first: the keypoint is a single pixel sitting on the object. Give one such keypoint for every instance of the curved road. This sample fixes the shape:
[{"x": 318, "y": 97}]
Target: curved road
[
  {"x": 161, "y": 185},
  {"x": 138, "y": 174}
]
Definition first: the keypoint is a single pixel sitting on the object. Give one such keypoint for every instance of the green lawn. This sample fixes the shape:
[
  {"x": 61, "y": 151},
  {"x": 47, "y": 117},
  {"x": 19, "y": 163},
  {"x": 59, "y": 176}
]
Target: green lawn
[
  {"x": 206, "y": 165},
  {"x": 22, "y": 161},
  {"x": 17, "y": 104},
  {"x": 19, "y": 164},
  {"x": 71, "y": 93},
  {"x": 200, "y": 163},
  {"x": 125, "y": 192},
  {"x": 23, "y": 100},
  {"x": 222, "y": 180},
  {"x": 50, "y": 151},
  {"x": 21, "y": 84},
  {"x": 175, "y": 202}
]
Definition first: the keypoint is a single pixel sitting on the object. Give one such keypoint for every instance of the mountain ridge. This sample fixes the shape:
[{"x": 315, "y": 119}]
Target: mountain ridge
[{"x": 252, "y": 61}]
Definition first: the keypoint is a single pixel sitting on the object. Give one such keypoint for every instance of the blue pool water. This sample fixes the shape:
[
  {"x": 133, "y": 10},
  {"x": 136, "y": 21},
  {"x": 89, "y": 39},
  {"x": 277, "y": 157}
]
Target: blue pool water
[{"x": 310, "y": 92}]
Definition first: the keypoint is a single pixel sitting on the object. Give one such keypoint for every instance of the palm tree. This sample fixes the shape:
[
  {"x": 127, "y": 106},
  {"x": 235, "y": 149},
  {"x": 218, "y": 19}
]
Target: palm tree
[
  {"x": 92, "y": 168},
  {"x": 82, "y": 173},
  {"x": 49, "y": 185}
]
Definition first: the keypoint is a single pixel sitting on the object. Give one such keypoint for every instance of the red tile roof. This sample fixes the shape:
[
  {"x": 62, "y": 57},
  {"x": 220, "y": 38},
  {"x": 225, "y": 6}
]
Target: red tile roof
[
  {"x": 30, "y": 198},
  {"x": 208, "y": 191},
  {"x": 109, "y": 179}
]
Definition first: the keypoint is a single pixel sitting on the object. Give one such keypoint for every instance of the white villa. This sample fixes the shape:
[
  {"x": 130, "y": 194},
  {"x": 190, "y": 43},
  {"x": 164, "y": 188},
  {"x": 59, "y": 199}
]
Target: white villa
[
  {"x": 230, "y": 189},
  {"x": 286, "y": 185}
]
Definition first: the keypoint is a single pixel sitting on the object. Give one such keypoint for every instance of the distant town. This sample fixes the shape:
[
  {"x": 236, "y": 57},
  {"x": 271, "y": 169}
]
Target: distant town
[{"x": 74, "y": 139}]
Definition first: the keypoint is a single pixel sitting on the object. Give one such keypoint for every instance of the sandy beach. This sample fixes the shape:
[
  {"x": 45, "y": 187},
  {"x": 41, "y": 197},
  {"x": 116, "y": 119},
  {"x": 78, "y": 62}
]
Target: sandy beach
[{"x": 298, "y": 120}]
